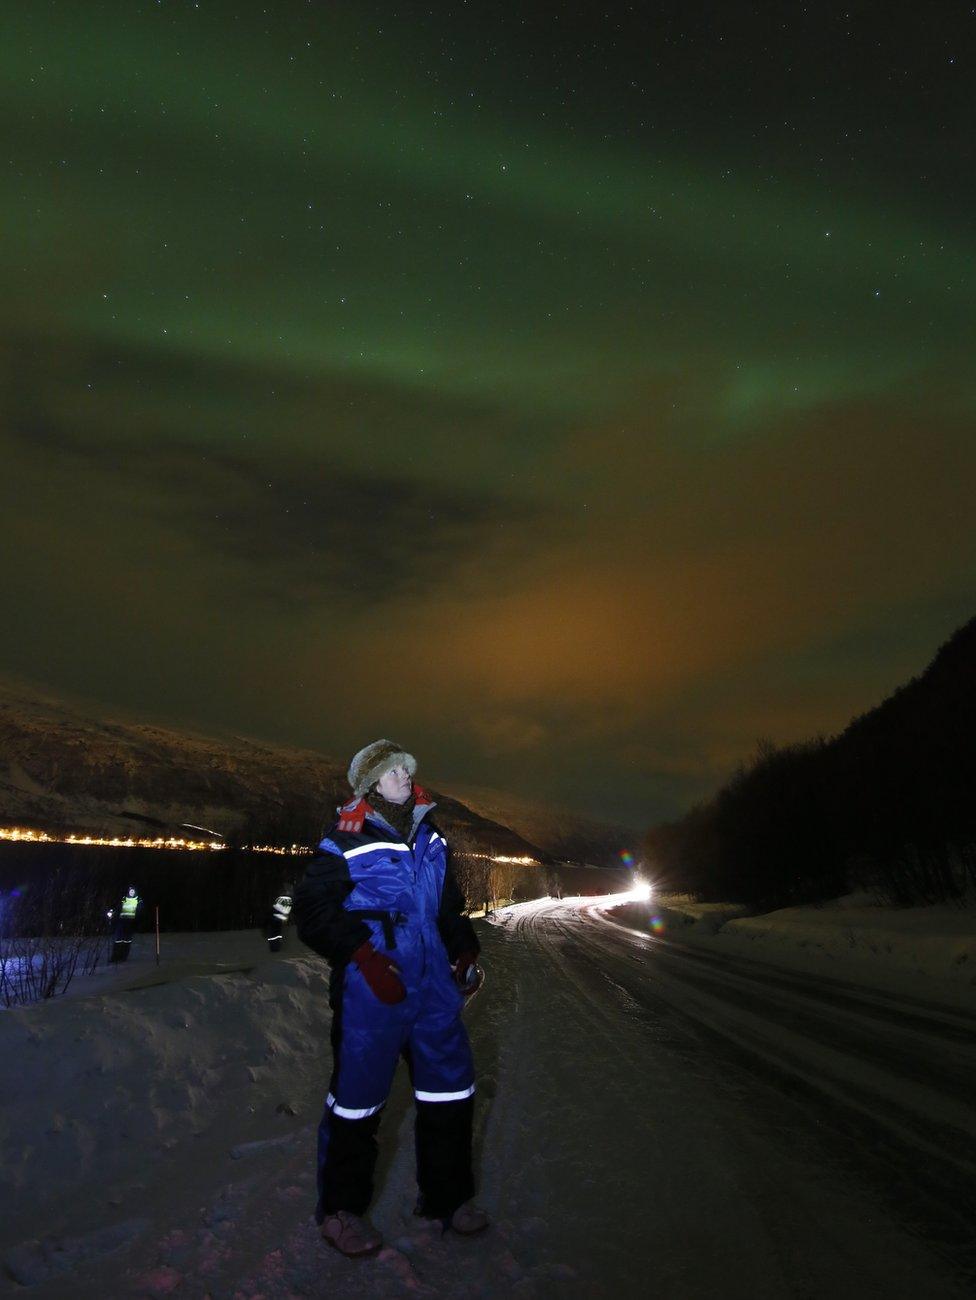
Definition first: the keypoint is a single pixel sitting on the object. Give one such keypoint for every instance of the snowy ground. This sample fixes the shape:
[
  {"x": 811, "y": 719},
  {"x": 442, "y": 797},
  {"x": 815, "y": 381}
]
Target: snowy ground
[
  {"x": 926, "y": 952},
  {"x": 653, "y": 1117}
]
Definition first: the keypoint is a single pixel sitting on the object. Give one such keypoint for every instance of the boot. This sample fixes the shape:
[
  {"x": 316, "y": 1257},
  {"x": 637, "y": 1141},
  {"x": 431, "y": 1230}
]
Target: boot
[
  {"x": 468, "y": 1219},
  {"x": 350, "y": 1235}
]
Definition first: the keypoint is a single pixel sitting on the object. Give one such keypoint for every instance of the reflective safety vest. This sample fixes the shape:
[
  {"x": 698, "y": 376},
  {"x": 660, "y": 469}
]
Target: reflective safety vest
[{"x": 129, "y": 906}]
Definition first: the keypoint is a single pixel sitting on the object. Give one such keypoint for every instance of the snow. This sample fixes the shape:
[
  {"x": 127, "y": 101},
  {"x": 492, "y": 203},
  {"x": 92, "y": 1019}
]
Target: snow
[
  {"x": 928, "y": 952},
  {"x": 109, "y": 1085},
  {"x": 158, "y": 1128}
]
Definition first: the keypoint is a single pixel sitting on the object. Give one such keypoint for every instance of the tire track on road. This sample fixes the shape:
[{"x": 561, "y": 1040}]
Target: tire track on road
[{"x": 925, "y": 1167}]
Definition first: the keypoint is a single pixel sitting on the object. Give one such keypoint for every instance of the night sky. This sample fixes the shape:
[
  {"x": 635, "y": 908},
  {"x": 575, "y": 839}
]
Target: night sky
[{"x": 574, "y": 395}]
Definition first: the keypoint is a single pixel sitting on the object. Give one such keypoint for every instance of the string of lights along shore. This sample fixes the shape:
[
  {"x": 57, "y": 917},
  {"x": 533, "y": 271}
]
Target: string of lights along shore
[
  {"x": 579, "y": 393},
  {"x": 25, "y": 835}
]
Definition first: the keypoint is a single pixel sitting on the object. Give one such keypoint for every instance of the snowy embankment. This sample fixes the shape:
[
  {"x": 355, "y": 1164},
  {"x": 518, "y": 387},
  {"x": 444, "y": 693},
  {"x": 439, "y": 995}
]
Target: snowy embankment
[
  {"x": 142, "y": 1077},
  {"x": 927, "y": 952},
  {"x": 158, "y": 1138}
]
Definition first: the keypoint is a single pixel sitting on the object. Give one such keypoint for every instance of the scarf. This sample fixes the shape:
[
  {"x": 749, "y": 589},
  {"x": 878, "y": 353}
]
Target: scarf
[{"x": 399, "y": 815}]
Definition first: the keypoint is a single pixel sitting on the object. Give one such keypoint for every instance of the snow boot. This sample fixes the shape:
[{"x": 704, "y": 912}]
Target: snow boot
[
  {"x": 468, "y": 1219},
  {"x": 350, "y": 1235}
]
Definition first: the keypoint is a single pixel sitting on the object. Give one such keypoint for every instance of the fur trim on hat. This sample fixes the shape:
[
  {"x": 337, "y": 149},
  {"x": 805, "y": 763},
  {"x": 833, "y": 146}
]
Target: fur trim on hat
[{"x": 371, "y": 762}]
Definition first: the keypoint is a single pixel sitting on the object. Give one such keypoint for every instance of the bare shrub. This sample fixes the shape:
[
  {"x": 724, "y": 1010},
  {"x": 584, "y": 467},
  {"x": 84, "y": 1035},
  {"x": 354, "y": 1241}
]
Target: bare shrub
[
  {"x": 502, "y": 883},
  {"x": 472, "y": 870},
  {"x": 48, "y": 932}
]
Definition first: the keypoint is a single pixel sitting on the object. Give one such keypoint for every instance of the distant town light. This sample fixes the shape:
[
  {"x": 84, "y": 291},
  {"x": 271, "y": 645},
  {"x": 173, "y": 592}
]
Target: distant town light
[
  {"x": 20, "y": 833},
  {"x": 492, "y": 857},
  {"x": 25, "y": 835}
]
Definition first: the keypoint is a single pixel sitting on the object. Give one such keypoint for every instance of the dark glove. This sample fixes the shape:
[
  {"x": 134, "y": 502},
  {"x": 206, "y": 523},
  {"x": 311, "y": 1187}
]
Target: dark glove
[
  {"x": 380, "y": 974},
  {"x": 467, "y": 976}
]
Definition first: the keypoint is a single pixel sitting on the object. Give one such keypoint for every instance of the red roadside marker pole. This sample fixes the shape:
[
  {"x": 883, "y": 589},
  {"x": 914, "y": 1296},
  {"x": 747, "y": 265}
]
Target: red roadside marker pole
[{"x": 157, "y": 934}]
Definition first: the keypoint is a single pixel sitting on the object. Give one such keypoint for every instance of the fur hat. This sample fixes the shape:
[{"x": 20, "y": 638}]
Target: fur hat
[{"x": 370, "y": 763}]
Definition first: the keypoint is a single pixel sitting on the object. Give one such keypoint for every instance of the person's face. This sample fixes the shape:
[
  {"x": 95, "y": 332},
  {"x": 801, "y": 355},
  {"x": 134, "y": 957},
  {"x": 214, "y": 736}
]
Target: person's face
[{"x": 395, "y": 785}]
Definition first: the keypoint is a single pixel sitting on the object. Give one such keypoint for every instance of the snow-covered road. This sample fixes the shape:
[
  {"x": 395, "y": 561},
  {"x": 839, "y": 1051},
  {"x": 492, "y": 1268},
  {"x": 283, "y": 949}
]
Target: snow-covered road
[
  {"x": 651, "y": 1120},
  {"x": 740, "y": 1131}
]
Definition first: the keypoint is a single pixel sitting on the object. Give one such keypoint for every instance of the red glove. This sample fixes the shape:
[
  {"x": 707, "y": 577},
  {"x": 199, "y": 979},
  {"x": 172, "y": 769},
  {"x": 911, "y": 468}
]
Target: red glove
[
  {"x": 465, "y": 970},
  {"x": 380, "y": 974}
]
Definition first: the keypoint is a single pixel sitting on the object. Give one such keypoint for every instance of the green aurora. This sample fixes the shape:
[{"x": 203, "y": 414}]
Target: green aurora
[{"x": 366, "y": 373}]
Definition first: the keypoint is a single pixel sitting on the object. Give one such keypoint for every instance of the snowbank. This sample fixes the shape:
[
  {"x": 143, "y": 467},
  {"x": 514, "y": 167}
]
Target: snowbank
[
  {"x": 215, "y": 1047},
  {"x": 922, "y": 951}
]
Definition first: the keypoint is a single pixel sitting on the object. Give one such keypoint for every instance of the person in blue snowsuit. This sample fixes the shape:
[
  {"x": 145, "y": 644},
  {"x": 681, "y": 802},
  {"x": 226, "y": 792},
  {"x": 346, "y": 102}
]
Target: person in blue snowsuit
[{"x": 380, "y": 902}]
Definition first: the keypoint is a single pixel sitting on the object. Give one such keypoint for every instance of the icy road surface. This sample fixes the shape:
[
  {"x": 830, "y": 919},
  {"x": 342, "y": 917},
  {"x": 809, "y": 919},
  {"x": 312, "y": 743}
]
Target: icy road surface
[{"x": 651, "y": 1120}]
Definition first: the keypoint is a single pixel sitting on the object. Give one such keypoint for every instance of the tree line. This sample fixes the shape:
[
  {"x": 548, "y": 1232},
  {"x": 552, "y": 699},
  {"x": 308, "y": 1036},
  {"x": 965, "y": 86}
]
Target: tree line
[{"x": 888, "y": 805}]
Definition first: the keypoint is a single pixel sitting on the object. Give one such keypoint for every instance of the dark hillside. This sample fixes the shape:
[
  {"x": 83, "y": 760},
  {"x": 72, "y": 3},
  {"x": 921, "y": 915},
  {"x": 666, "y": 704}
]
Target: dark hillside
[
  {"x": 890, "y": 803},
  {"x": 565, "y": 836},
  {"x": 61, "y": 770}
]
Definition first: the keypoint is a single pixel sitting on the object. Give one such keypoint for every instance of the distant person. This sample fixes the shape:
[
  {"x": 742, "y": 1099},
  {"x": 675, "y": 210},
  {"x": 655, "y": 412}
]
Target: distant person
[
  {"x": 380, "y": 902},
  {"x": 123, "y": 924},
  {"x": 274, "y": 931}
]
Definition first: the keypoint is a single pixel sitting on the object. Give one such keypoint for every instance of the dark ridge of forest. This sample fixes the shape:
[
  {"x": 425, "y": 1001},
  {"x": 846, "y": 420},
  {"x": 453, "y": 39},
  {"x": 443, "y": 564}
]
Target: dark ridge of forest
[{"x": 888, "y": 805}]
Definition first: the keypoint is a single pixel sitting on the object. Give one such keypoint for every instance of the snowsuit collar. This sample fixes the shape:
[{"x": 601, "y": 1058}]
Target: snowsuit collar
[{"x": 353, "y": 814}]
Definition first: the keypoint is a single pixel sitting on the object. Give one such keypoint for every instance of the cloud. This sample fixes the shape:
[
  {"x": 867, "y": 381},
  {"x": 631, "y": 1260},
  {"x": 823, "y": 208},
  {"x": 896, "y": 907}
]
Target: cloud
[
  {"x": 710, "y": 598},
  {"x": 287, "y": 521},
  {"x": 507, "y": 733},
  {"x": 295, "y": 530}
]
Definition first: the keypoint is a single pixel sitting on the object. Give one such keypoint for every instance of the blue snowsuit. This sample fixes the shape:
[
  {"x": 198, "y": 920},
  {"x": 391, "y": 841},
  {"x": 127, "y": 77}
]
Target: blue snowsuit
[{"x": 369, "y": 883}]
